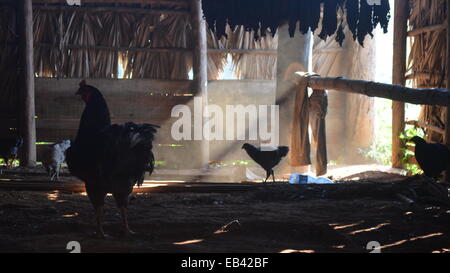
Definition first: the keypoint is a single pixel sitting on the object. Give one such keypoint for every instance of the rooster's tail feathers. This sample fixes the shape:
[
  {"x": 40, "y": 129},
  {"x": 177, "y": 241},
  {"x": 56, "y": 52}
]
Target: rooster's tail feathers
[
  {"x": 127, "y": 148},
  {"x": 141, "y": 133},
  {"x": 284, "y": 150}
]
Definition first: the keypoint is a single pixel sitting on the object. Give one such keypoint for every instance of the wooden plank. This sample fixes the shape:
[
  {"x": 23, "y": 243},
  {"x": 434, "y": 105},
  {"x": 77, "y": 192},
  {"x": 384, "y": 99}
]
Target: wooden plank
[{"x": 114, "y": 85}]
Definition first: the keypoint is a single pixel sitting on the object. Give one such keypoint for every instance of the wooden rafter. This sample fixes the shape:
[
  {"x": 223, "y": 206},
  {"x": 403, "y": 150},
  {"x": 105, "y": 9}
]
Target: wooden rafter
[
  {"x": 168, "y": 3},
  {"x": 381, "y": 90}
]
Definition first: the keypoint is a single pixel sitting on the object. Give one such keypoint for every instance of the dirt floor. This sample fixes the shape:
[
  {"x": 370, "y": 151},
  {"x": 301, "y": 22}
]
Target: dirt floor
[{"x": 273, "y": 218}]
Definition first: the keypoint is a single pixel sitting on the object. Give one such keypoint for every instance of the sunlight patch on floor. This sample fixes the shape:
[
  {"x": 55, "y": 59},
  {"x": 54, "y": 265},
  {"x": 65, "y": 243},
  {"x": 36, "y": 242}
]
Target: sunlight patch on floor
[
  {"x": 71, "y": 215},
  {"x": 188, "y": 242},
  {"x": 297, "y": 251},
  {"x": 413, "y": 239},
  {"x": 369, "y": 229},
  {"x": 339, "y": 172},
  {"x": 337, "y": 226}
]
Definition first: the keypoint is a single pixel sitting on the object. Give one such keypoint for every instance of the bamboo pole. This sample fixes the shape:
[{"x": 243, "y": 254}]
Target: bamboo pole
[
  {"x": 381, "y": 90},
  {"x": 418, "y": 123},
  {"x": 27, "y": 122},
  {"x": 200, "y": 64},
  {"x": 447, "y": 67},
  {"x": 398, "y": 77}
]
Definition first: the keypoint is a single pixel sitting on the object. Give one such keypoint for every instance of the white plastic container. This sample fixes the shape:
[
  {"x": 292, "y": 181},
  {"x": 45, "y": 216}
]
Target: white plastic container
[{"x": 297, "y": 178}]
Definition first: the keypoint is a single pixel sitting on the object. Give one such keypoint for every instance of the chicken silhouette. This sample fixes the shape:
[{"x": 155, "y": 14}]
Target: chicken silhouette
[
  {"x": 266, "y": 159},
  {"x": 433, "y": 158}
]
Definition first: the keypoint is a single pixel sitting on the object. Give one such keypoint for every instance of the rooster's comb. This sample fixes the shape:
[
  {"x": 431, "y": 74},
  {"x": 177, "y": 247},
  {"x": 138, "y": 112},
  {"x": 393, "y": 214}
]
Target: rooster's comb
[{"x": 83, "y": 83}]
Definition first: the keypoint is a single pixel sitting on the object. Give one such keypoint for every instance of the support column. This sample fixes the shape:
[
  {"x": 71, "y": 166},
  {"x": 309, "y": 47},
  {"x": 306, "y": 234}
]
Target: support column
[
  {"x": 200, "y": 69},
  {"x": 447, "y": 68},
  {"x": 27, "y": 123},
  {"x": 398, "y": 77},
  {"x": 294, "y": 54}
]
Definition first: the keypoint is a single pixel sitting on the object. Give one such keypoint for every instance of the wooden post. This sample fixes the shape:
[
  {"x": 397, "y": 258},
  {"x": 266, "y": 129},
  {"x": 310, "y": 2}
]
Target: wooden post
[
  {"x": 294, "y": 54},
  {"x": 27, "y": 123},
  {"x": 399, "y": 77},
  {"x": 447, "y": 68},
  {"x": 200, "y": 70}
]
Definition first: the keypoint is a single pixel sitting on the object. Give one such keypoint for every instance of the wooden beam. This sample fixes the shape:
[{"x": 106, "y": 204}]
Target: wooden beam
[
  {"x": 424, "y": 125},
  {"x": 244, "y": 51},
  {"x": 112, "y": 48},
  {"x": 447, "y": 116},
  {"x": 427, "y": 29},
  {"x": 27, "y": 124},
  {"x": 162, "y": 49},
  {"x": 112, "y": 9},
  {"x": 398, "y": 77},
  {"x": 200, "y": 65},
  {"x": 421, "y": 76},
  {"x": 168, "y": 3},
  {"x": 382, "y": 90}
]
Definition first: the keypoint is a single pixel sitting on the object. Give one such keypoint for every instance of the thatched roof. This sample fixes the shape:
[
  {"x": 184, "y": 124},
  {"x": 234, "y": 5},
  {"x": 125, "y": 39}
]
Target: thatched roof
[
  {"x": 149, "y": 39},
  {"x": 256, "y": 15},
  {"x": 427, "y": 67}
]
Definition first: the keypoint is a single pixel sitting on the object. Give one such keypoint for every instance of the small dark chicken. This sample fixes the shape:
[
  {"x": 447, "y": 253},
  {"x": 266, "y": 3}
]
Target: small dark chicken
[
  {"x": 433, "y": 158},
  {"x": 109, "y": 158},
  {"x": 266, "y": 159},
  {"x": 9, "y": 148}
]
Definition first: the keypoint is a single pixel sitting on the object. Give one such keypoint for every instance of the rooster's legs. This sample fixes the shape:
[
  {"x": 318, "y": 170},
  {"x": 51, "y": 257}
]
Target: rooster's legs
[
  {"x": 273, "y": 176},
  {"x": 124, "y": 214},
  {"x": 267, "y": 177}
]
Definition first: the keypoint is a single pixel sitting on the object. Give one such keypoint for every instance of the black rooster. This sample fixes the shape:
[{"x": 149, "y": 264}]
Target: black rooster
[
  {"x": 433, "y": 158},
  {"x": 9, "y": 147},
  {"x": 266, "y": 159},
  {"x": 109, "y": 158}
]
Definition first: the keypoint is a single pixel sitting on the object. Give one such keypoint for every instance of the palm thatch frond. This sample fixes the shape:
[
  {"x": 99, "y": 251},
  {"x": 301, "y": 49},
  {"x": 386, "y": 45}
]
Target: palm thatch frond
[{"x": 246, "y": 66}]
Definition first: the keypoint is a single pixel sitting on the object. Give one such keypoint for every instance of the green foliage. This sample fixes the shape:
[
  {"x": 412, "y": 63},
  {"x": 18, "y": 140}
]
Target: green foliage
[
  {"x": 160, "y": 163},
  {"x": 379, "y": 151},
  {"x": 15, "y": 163},
  {"x": 235, "y": 163},
  {"x": 410, "y": 132}
]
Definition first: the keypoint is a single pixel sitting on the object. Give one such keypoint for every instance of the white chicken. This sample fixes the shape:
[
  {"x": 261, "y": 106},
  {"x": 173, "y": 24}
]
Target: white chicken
[{"x": 53, "y": 157}]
